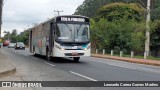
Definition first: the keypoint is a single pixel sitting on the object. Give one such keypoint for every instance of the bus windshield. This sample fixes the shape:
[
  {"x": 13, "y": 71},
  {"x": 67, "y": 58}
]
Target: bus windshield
[{"x": 72, "y": 32}]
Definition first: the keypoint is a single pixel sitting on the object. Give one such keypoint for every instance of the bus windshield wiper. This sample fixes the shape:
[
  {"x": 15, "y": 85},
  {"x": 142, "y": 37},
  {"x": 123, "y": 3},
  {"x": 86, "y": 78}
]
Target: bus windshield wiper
[{"x": 68, "y": 27}]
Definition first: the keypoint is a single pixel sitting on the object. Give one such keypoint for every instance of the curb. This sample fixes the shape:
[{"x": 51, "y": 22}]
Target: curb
[
  {"x": 7, "y": 67},
  {"x": 8, "y": 72},
  {"x": 140, "y": 61}
]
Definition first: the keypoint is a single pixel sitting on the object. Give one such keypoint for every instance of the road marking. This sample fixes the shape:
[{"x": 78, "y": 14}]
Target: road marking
[
  {"x": 82, "y": 76},
  {"x": 34, "y": 58},
  {"x": 116, "y": 65},
  {"x": 49, "y": 64},
  {"x": 122, "y": 66},
  {"x": 26, "y": 55}
]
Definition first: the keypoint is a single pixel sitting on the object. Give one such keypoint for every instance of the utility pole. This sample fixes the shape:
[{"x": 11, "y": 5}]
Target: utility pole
[
  {"x": 1, "y": 5},
  {"x": 58, "y": 11},
  {"x": 147, "y": 42}
]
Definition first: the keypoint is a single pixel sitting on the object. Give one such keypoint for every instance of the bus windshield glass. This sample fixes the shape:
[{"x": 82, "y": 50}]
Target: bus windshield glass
[{"x": 72, "y": 32}]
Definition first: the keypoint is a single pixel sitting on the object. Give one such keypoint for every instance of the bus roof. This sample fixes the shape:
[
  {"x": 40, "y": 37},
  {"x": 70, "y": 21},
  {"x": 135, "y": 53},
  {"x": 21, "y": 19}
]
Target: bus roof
[{"x": 51, "y": 19}]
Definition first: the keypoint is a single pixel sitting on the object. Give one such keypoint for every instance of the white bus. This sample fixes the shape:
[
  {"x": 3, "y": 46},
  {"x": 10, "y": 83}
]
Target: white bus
[{"x": 61, "y": 36}]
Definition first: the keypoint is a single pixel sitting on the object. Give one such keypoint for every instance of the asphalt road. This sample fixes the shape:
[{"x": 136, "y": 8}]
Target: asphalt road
[{"x": 30, "y": 68}]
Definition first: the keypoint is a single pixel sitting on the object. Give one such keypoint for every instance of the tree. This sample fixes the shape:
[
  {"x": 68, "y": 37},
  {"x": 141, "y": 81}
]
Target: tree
[
  {"x": 22, "y": 37},
  {"x": 14, "y": 36},
  {"x": 119, "y": 28},
  {"x": 155, "y": 13},
  {"x": 89, "y": 7},
  {"x": 7, "y": 35},
  {"x": 155, "y": 34},
  {"x": 116, "y": 11},
  {"x": 122, "y": 34},
  {"x": 25, "y": 36}
]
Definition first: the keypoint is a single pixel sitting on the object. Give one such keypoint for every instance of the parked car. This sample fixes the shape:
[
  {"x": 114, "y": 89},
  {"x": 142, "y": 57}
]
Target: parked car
[
  {"x": 20, "y": 45},
  {"x": 6, "y": 43},
  {"x": 11, "y": 45}
]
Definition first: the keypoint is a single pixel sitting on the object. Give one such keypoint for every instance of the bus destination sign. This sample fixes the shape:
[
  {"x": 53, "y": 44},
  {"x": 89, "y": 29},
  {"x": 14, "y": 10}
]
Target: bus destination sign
[{"x": 72, "y": 19}]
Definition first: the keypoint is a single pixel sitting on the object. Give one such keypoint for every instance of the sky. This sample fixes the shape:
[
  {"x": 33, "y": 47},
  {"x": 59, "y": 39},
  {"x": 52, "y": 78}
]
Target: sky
[{"x": 23, "y": 14}]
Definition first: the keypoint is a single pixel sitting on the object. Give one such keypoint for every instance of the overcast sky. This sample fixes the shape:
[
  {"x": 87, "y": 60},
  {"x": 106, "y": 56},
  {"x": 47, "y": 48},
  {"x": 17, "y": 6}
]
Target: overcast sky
[{"x": 22, "y": 14}]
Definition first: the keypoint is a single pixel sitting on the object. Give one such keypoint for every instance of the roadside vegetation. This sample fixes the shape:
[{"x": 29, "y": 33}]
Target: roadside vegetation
[
  {"x": 15, "y": 37},
  {"x": 120, "y": 25}
]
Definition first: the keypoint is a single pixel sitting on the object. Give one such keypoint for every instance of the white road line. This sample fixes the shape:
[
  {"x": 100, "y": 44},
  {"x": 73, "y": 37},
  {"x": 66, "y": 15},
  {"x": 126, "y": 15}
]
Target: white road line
[
  {"x": 82, "y": 76},
  {"x": 34, "y": 58},
  {"x": 24, "y": 55},
  {"x": 122, "y": 66},
  {"x": 116, "y": 65},
  {"x": 49, "y": 64}
]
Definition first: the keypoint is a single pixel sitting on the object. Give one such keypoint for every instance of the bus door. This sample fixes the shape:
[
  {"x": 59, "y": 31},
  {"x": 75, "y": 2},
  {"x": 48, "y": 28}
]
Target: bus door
[
  {"x": 51, "y": 38},
  {"x": 30, "y": 42}
]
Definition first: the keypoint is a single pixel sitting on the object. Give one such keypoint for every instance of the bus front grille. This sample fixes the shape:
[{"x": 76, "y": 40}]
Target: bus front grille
[{"x": 71, "y": 54}]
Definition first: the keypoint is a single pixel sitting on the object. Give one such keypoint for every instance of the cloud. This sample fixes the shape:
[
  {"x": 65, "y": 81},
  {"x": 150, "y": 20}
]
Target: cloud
[{"x": 19, "y": 14}]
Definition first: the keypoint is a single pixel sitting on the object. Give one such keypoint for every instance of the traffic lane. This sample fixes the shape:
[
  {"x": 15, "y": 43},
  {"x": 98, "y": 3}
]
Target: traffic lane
[
  {"x": 105, "y": 72},
  {"x": 20, "y": 60},
  {"x": 83, "y": 88},
  {"x": 29, "y": 69},
  {"x": 101, "y": 71},
  {"x": 143, "y": 67},
  {"x": 149, "y": 68}
]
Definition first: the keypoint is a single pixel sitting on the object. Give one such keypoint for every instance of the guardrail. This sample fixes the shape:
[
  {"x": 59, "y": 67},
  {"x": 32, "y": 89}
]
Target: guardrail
[{"x": 122, "y": 54}]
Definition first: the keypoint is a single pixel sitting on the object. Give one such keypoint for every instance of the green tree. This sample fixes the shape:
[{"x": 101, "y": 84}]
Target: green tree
[
  {"x": 7, "y": 35},
  {"x": 14, "y": 36},
  {"x": 155, "y": 13},
  {"x": 119, "y": 27},
  {"x": 25, "y": 37},
  {"x": 116, "y": 11},
  {"x": 89, "y": 7},
  {"x": 118, "y": 34},
  {"x": 155, "y": 34}
]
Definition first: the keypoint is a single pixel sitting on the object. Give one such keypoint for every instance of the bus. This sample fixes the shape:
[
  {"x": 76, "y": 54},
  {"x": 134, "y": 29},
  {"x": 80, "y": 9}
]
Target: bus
[{"x": 61, "y": 36}]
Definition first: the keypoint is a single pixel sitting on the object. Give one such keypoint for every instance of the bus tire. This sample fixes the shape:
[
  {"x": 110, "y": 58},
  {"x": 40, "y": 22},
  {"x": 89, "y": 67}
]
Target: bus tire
[
  {"x": 48, "y": 57},
  {"x": 76, "y": 59},
  {"x": 34, "y": 52}
]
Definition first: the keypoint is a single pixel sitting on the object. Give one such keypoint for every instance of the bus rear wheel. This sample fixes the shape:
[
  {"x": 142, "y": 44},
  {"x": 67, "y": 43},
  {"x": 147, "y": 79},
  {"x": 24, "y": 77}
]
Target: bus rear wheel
[{"x": 76, "y": 59}]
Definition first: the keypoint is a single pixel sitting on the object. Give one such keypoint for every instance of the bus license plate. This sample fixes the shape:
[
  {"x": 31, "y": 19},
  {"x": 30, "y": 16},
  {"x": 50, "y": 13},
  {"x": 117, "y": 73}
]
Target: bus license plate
[{"x": 74, "y": 53}]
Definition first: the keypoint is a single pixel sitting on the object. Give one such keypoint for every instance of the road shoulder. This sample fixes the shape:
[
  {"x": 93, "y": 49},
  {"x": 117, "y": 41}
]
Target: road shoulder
[
  {"x": 6, "y": 66},
  {"x": 132, "y": 60}
]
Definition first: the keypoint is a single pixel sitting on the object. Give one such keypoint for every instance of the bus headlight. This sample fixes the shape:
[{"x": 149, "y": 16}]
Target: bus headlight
[
  {"x": 62, "y": 49},
  {"x": 59, "y": 47},
  {"x": 88, "y": 47},
  {"x": 85, "y": 49}
]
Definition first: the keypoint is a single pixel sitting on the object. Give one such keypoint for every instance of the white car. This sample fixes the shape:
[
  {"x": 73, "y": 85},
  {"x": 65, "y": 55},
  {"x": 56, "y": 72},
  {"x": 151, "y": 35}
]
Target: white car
[{"x": 11, "y": 45}]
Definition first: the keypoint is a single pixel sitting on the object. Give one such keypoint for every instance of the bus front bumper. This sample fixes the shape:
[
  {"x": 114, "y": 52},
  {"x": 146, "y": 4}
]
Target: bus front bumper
[{"x": 70, "y": 53}]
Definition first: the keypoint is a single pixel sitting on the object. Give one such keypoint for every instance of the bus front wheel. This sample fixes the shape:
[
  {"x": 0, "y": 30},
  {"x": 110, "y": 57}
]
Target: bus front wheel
[
  {"x": 48, "y": 57},
  {"x": 76, "y": 59}
]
